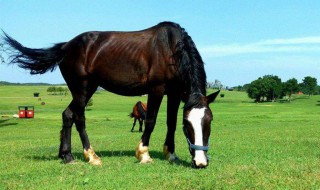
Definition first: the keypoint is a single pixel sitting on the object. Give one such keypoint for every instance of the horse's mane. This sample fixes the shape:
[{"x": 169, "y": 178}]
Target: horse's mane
[{"x": 190, "y": 67}]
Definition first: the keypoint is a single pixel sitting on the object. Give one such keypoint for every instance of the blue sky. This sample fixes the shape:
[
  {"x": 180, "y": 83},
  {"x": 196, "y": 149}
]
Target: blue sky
[{"x": 239, "y": 40}]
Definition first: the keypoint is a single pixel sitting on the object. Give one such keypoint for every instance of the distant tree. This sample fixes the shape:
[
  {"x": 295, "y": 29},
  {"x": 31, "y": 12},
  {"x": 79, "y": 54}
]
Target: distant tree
[
  {"x": 308, "y": 85},
  {"x": 51, "y": 90},
  {"x": 273, "y": 86},
  {"x": 217, "y": 84},
  {"x": 245, "y": 87},
  {"x": 209, "y": 85},
  {"x": 60, "y": 90},
  {"x": 57, "y": 90},
  {"x": 65, "y": 91},
  {"x": 268, "y": 88},
  {"x": 317, "y": 92},
  {"x": 238, "y": 88},
  {"x": 254, "y": 90},
  {"x": 290, "y": 87}
]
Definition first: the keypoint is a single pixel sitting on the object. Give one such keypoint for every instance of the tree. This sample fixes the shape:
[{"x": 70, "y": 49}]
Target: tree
[
  {"x": 57, "y": 90},
  {"x": 273, "y": 87},
  {"x": 51, "y": 90},
  {"x": 209, "y": 85},
  {"x": 217, "y": 84},
  {"x": 60, "y": 90},
  {"x": 308, "y": 85},
  {"x": 254, "y": 90},
  {"x": 245, "y": 87},
  {"x": 317, "y": 90},
  {"x": 268, "y": 88},
  {"x": 290, "y": 87}
]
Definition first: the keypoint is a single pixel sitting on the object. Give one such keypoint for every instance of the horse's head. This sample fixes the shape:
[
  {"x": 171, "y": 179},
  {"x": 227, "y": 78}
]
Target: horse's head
[{"x": 197, "y": 119}]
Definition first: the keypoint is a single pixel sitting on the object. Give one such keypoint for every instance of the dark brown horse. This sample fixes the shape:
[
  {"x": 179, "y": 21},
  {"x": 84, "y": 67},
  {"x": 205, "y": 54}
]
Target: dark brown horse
[
  {"x": 139, "y": 112},
  {"x": 156, "y": 61}
]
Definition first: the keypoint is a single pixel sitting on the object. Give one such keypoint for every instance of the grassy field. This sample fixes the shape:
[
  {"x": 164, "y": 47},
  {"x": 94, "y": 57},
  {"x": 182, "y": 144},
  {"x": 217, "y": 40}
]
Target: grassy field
[{"x": 252, "y": 146}]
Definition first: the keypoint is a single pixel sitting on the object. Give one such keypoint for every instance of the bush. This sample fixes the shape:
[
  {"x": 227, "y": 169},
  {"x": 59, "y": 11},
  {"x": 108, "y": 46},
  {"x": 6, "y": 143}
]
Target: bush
[{"x": 52, "y": 90}]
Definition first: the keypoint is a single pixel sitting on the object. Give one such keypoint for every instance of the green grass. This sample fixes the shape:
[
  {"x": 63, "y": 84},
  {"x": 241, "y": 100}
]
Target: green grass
[{"x": 252, "y": 146}]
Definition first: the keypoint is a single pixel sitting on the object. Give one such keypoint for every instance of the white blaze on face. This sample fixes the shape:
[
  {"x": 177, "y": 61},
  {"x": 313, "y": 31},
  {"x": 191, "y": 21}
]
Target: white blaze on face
[{"x": 195, "y": 118}]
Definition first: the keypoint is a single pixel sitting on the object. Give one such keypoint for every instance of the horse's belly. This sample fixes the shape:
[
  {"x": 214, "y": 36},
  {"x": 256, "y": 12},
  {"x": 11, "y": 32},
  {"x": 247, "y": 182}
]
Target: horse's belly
[{"x": 125, "y": 89}]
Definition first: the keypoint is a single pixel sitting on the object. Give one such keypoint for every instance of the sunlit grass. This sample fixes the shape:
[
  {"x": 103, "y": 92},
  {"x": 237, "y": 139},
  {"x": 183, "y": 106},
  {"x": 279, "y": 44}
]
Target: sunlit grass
[{"x": 252, "y": 146}]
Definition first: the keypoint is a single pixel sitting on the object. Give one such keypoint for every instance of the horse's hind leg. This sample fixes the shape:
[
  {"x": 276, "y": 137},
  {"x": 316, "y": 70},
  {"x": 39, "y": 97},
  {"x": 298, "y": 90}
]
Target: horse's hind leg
[
  {"x": 134, "y": 123},
  {"x": 75, "y": 114},
  {"x": 65, "y": 136}
]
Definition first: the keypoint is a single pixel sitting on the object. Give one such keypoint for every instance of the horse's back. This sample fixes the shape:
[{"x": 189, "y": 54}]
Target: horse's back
[
  {"x": 125, "y": 63},
  {"x": 140, "y": 110}
]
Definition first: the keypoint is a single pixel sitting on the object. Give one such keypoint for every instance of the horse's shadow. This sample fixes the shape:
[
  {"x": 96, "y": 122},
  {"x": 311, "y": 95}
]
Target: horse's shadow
[{"x": 157, "y": 155}]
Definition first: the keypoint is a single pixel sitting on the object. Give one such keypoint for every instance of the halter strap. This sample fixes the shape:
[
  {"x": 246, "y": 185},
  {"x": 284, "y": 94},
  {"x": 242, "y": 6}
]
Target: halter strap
[{"x": 197, "y": 147}]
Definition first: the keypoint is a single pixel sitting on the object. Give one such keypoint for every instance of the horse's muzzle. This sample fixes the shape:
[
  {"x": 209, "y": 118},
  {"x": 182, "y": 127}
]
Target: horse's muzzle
[{"x": 200, "y": 165}]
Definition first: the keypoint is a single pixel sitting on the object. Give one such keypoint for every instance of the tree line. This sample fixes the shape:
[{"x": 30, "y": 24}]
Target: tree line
[{"x": 271, "y": 88}]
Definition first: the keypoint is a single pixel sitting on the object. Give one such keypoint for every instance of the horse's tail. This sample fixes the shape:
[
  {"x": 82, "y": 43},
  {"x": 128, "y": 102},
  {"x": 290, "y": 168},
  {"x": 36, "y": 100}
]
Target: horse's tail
[
  {"x": 38, "y": 61},
  {"x": 131, "y": 115}
]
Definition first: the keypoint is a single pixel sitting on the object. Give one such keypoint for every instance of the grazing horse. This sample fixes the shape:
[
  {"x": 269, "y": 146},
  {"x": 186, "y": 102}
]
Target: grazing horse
[
  {"x": 139, "y": 112},
  {"x": 161, "y": 60}
]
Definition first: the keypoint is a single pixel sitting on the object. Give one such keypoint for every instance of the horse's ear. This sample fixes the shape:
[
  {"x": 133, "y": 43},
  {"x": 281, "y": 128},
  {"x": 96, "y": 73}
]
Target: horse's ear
[{"x": 212, "y": 97}]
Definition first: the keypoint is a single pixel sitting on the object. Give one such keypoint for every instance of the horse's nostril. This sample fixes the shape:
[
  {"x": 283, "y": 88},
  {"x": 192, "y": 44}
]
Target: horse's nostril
[
  {"x": 198, "y": 165},
  {"x": 202, "y": 165}
]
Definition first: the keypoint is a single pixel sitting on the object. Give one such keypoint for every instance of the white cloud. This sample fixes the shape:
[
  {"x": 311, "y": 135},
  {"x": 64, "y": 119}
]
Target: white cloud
[
  {"x": 305, "y": 44},
  {"x": 293, "y": 41}
]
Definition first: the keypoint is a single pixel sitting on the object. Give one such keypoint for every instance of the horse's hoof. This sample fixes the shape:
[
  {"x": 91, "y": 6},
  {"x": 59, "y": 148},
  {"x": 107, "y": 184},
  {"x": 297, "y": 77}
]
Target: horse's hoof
[
  {"x": 96, "y": 162},
  {"x": 72, "y": 162},
  {"x": 91, "y": 157},
  {"x": 67, "y": 158},
  {"x": 146, "y": 160},
  {"x": 171, "y": 157},
  {"x": 142, "y": 154}
]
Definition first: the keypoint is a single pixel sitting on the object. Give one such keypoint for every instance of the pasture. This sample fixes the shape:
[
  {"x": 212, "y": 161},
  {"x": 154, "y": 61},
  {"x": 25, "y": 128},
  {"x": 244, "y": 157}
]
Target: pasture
[{"x": 252, "y": 146}]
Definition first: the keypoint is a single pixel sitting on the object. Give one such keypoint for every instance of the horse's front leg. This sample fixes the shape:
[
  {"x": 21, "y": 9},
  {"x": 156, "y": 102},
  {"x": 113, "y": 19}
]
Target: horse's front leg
[
  {"x": 154, "y": 101},
  {"x": 172, "y": 112}
]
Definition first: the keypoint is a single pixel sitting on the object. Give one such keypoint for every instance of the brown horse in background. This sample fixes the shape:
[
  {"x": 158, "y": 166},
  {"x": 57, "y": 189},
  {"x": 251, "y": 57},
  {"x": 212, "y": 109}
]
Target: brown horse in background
[
  {"x": 161, "y": 60},
  {"x": 139, "y": 112}
]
